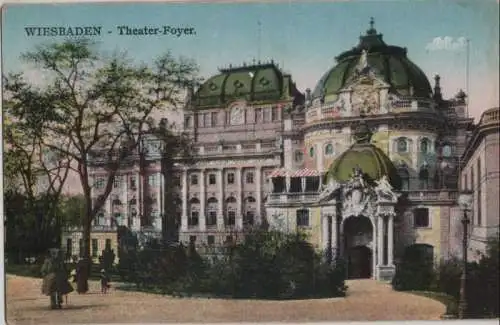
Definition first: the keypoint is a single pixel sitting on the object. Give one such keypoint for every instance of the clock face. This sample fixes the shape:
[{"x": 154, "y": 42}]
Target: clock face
[{"x": 237, "y": 115}]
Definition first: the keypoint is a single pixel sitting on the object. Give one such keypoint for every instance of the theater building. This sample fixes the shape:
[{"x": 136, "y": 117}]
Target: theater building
[{"x": 367, "y": 163}]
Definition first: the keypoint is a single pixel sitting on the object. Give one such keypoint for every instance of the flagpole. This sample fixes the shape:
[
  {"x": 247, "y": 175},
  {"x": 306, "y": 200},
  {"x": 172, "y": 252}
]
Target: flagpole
[
  {"x": 467, "y": 79},
  {"x": 259, "y": 40}
]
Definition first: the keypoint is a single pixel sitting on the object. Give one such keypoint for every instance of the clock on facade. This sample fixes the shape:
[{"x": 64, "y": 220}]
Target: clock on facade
[{"x": 237, "y": 114}]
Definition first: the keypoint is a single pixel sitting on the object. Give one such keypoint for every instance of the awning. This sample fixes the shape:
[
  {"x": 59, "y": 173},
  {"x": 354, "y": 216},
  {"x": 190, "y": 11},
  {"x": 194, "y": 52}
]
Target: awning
[{"x": 304, "y": 172}]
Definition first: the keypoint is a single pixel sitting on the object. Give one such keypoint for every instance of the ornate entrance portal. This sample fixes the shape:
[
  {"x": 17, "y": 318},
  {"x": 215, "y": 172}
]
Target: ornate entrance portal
[{"x": 358, "y": 244}]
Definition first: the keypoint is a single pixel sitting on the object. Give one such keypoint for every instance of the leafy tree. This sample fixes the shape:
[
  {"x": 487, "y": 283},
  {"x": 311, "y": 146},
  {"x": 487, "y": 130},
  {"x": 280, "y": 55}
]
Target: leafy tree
[{"x": 96, "y": 112}]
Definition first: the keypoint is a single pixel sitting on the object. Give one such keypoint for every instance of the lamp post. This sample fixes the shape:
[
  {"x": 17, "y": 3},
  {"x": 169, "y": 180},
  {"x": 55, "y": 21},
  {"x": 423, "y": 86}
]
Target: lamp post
[{"x": 465, "y": 204}]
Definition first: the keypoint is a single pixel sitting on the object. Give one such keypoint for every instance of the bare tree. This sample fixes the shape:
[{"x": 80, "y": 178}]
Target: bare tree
[{"x": 97, "y": 111}]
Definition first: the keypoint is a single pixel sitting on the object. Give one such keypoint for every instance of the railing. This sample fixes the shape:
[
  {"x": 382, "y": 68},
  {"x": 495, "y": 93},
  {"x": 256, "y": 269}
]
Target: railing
[
  {"x": 490, "y": 116},
  {"x": 433, "y": 195},
  {"x": 293, "y": 197}
]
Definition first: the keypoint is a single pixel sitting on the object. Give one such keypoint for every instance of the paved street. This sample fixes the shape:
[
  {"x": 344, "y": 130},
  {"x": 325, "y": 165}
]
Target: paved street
[{"x": 367, "y": 301}]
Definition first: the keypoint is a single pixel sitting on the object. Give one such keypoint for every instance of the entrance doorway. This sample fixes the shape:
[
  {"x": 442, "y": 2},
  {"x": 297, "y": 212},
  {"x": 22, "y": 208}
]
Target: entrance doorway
[
  {"x": 359, "y": 262},
  {"x": 358, "y": 243}
]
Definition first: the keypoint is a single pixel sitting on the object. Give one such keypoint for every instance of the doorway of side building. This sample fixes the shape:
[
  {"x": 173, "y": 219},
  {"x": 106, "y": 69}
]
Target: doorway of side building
[{"x": 358, "y": 240}]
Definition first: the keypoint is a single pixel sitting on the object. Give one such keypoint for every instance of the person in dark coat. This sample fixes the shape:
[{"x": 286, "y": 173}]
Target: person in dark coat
[
  {"x": 81, "y": 272},
  {"x": 55, "y": 282}
]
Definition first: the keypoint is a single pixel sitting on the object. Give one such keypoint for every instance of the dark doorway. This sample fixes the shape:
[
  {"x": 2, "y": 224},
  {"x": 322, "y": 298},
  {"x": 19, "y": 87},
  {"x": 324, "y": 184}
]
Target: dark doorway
[{"x": 360, "y": 262}]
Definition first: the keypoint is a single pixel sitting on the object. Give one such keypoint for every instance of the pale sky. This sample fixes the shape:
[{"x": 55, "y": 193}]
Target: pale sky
[{"x": 302, "y": 37}]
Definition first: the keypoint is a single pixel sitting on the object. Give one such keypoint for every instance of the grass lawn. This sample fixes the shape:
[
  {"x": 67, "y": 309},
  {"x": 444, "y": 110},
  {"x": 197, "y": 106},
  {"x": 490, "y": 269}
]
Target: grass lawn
[{"x": 447, "y": 300}]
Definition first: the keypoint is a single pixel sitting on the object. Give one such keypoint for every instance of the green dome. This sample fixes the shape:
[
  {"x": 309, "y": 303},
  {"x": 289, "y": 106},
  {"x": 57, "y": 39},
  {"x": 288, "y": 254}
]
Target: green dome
[
  {"x": 373, "y": 161},
  {"x": 389, "y": 62},
  {"x": 260, "y": 82}
]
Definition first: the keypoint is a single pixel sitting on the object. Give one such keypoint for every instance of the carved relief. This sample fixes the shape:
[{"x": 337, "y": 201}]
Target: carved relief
[{"x": 365, "y": 99}]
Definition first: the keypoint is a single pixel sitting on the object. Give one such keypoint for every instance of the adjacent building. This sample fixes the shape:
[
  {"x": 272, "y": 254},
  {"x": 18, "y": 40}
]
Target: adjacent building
[{"x": 367, "y": 164}]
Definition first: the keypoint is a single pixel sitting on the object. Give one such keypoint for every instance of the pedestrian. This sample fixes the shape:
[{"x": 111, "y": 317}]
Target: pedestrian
[
  {"x": 55, "y": 282},
  {"x": 104, "y": 281},
  {"x": 81, "y": 272}
]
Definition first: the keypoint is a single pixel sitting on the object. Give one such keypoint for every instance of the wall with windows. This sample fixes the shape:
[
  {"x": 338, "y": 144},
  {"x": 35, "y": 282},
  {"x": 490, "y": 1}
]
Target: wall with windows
[{"x": 72, "y": 244}]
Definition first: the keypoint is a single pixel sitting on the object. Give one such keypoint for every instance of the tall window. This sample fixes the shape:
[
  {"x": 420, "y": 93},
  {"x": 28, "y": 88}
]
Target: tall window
[
  {"x": 249, "y": 218},
  {"x": 274, "y": 113},
  {"x": 424, "y": 145},
  {"x": 311, "y": 151},
  {"x": 193, "y": 218},
  {"x": 108, "y": 244},
  {"x": 212, "y": 218},
  {"x": 214, "y": 118},
  {"x": 249, "y": 178},
  {"x": 117, "y": 182},
  {"x": 194, "y": 179},
  {"x": 231, "y": 217},
  {"x": 267, "y": 114},
  {"x": 302, "y": 218},
  {"x": 210, "y": 240},
  {"x": 100, "y": 219},
  {"x": 258, "y": 115},
  {"x": 206, "y": 117},
  {"x": 99, "y": 182},
  {"x": 95, "y": 247},
  {"x": 187, "y": 122},
  {"x": 479, "y": 196},
  {"x": 211, "y": 179},
  {"x": 153, "y": 179},
  {"x": 421, "y": 217},
  {"x": 329, "y": 149},
  {"x": 405, "y": 178},
  {"x": 446, "y": 151},
  {"x": 133, "y": 182},
  {"x": 230, "y": 178},
  {"x": 69, "y": 247},
  {"x": 299, "y": 156}
]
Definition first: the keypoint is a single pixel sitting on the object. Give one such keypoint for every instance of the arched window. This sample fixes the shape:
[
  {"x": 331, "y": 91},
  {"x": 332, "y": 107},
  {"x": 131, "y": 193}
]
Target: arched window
[
  {"x": 329, "y": 149},
  {"x": 250, "y": 199},
  {"x": 194, "y": 212},
  {"x": 446, "y": 151},
  {"x": 423, "y": 176},
  {"x": 100, "y": 219},
  {"x": 402, "y": 145},
  {"x": 425, "y": 145},
  {"x": 311, "y": 152}
]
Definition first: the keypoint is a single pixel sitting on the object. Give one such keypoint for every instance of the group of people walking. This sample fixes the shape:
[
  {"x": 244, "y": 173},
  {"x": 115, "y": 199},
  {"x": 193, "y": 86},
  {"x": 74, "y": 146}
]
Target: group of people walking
[{"x": 56, "y": 279}]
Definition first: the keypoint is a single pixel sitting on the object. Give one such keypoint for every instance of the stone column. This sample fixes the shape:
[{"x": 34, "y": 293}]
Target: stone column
[
  {"x": 159, "y": 207},
  {"x": 390, "y": 238},
  {"x": 380, "y": 241},
  {"x": 325, "y": 231},
  {"x": 335, "y": 236},
  {"x": 126, "y": 210},
  {"x": 374, "y": 251},
  {"x": 303, "y": 184},
  {"x": 258, "y": 191},
  {"x": 220, "y": 199},
  {"x": 239, "y": 199},
  {"x": 184, "y": 217},
  {"x": 320, "y": 182},
  {"x": 287, "y": 182},
  {"x": 203, "y": 200},
  {"x": 140, "y": 197}
]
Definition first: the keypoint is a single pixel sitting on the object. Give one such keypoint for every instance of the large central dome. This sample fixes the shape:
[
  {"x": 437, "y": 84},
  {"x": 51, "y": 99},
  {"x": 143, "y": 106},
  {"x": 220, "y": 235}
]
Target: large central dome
[{"x": 389, "y": 62}]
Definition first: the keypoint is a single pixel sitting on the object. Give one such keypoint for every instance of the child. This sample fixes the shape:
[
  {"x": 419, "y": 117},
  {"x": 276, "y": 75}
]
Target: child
[{"x": 104, "y": 281}]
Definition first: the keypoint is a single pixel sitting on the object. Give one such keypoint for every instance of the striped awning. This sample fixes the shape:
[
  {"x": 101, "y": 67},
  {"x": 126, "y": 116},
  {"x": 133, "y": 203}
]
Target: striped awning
[{"x": 304, "y": 172}]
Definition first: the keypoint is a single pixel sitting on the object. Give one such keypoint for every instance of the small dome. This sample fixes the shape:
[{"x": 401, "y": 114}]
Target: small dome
[
  {"x": 390, "y": 62},
  {"x": 371, "y": 160},
  {"x": 258, "y": 82}
]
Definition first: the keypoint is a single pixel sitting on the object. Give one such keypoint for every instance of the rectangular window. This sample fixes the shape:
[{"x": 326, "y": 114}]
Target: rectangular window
[
  {"x": 177, "y": 180},
  {"x": 117, "y": 182},
  {"x": 187, "y": 122},
  {"x": 99, "y": 182},
  {"x": 95, "y": 247},
  {"x": 302, "y": 218},
  {"x": 118, "y": 218},
  {"x": 421, "y": 217},
  {"x": 153, "y": 179},
  {"x": 133, "y": 182},
  {"x": 194, "y": 179},
  {"x": 479, "y": 196},
  {"x": 230, "y": 178},
  {"x": 214, "y": 118},
  {"x": 210, "y": 240},
  {"x": 194, "y": 217},
  {"x": 211, "y": 179},
  {"x": 267, "y": 114},
  {"x": 69, "y": 247},
  {"x": 249, "y": 178},
  {"x": 231, "y": 218},
  {"x": 465, "y": 185},
  {"x": 108, "y": 244},
  {"x": 192, "y": 239}
]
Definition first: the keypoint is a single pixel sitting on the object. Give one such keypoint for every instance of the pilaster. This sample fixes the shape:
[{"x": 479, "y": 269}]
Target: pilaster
[{"x": 202, "y": 220}]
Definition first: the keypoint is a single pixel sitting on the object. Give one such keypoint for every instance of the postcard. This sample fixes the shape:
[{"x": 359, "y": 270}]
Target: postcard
[{"x": 198, "y": 162}]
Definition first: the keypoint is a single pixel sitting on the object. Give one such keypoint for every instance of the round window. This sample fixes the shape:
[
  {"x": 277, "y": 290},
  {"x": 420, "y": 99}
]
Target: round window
[{"x": 329, "y": 149}]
